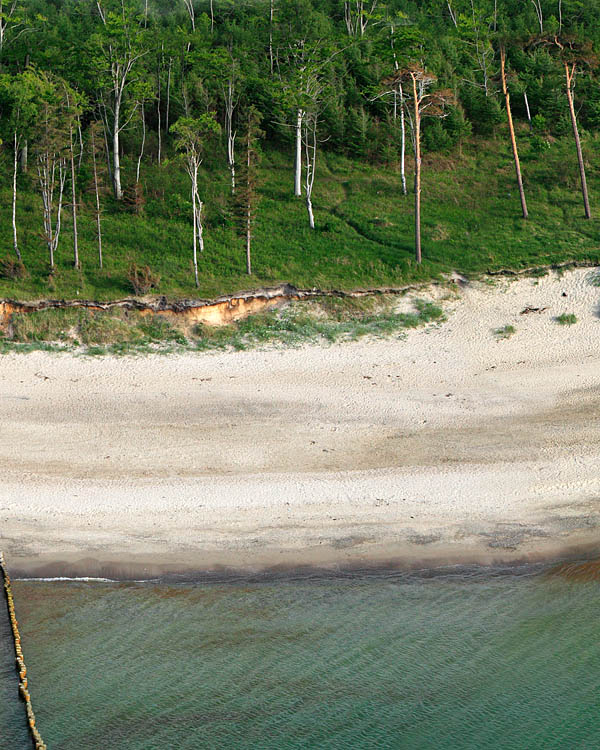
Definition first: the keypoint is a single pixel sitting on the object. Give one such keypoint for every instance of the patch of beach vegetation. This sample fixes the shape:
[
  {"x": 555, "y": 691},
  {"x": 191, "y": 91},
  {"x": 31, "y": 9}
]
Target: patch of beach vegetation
[
  {"x": 505, "y": 332},
  {"x": 325, "y": 319},
  {"x": 566, "y": 319}
]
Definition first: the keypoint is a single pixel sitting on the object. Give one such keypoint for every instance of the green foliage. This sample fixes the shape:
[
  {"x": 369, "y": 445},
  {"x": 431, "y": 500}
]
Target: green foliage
[
  {"x": 364, "y": 239},
  {"x": 566, "y": 319},
  {"x": 505, "y": 332},
  {"x": 121, "y": 332},
  {"x": 44, "y": 325},
  {"x": 316, "y": 57}
]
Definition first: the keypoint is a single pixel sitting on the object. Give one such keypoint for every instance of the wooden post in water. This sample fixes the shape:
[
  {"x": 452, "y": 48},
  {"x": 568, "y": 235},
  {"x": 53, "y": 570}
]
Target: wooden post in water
[{"x": 38, "y": 742}]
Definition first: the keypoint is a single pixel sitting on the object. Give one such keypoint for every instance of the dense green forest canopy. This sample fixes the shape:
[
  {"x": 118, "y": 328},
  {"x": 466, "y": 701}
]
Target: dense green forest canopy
[{"x": 161, "y": 109}]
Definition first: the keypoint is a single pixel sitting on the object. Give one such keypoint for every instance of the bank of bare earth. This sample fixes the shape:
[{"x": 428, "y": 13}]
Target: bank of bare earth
[{"x": 453, "y": 443}]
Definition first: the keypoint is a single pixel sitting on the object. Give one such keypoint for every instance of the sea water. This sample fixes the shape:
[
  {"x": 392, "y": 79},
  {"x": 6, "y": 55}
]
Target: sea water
[
  {"x": 459, "y": 659},
  {"x": 14, "y": 734}
]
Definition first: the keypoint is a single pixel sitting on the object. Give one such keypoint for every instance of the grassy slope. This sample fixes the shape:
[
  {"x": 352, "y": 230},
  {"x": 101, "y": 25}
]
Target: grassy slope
[{"x": 364, "y": 225}]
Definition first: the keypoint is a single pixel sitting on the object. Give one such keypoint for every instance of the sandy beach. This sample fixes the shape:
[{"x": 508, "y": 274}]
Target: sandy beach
[{"x": 446, "y": 445}]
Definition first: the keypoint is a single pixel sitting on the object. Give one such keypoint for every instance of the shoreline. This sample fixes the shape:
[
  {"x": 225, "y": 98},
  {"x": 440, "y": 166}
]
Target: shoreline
[
  {"x": 307, "y": 566},
  {"x": 446, "y": 446}
]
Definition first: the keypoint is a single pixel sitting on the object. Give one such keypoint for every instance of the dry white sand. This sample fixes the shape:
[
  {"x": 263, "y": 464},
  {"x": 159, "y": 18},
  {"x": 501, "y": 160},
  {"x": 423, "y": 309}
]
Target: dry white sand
[{"x": 442, "y": 446}]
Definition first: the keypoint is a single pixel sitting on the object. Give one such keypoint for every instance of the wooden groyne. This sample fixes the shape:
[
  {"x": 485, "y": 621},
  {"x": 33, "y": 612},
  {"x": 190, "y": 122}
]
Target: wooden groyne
[{"x": 38, "y": 742}]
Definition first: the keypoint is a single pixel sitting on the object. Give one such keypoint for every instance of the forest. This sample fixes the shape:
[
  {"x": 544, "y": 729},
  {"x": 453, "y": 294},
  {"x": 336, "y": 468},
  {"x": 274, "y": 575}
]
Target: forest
[{"x": 187, "y": 147}]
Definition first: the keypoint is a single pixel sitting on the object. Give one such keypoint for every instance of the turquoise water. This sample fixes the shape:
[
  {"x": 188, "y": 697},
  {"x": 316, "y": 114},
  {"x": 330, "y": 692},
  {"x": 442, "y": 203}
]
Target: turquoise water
[{"x": 464, "y": 660}]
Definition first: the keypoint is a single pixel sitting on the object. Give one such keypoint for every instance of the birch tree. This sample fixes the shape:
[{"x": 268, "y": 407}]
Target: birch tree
[
  {"x": 475, "y": 33},
  {"x": 357, "y": 16},
  {"x": 395, "y": 93},
  {"x": 189, "y": 6},
  {"x": 50, "y": 149},
  {"x": 191, "y": 137},
  {"x": 231, "y": 100},
  {"x": 119, "y": 47},
  {"x": 310, "y": 150},
  {"x": 247, "y": 198},
  {"x": 13, "y": 23},
  {"x": 539, "y": 14},
  {"x": 302, "y": 59},
  {"x": 96, "y": 150},
  {"x": 73, "y": 112},
  {"x": 20, "y": 98}
]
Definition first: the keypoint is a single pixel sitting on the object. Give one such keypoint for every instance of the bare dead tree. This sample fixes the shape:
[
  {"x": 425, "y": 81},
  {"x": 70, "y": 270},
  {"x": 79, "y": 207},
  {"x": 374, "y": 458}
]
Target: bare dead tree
[
  {"x": 570, "y": 73},
  {"x": 420, "y": 100},
  {"x": 574, "y": 56},
  {"x": 511, "y": 128}
]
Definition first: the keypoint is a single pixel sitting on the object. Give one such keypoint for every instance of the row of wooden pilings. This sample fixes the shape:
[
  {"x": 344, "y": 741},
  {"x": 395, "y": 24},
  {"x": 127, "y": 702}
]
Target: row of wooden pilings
[{"x": 38, "y": 742}]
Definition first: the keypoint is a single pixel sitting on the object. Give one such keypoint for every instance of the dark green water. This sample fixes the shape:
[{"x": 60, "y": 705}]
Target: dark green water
[
  {"x": 14, "y": 734},
  {"x": 455, "y": 661}
]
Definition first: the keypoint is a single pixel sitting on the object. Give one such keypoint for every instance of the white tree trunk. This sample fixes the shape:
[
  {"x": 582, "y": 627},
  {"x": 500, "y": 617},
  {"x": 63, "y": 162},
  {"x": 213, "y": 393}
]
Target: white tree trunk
[
  {"x": 198, "y": 242},
  {"x": 310, "y": 145},
  {"x": 248, "y": 241},
  {"x": 402, "y": 144},
  {"x": 230, "y": 132},
  {"x": 200, "y": 228},
  {"x": 74, "y": 202},
  {"x": 116, "y": 156},
  {"x": 97, "y": 191},
  {"x": 189, "y": 4},
  {"x": 527, "y": 108},
  {"x": 271, "y": 11},
  {"x": 539, "y": 12},
  {"x": 141, "y": 154},
  {"x": 298, "y": 168},
  {"x": 158, "y": 113},
  {"x": 311, "y": 216},
  {"x": 195, "y": 221},
  {"x": 14, "y": 197},
  {"x": 168, "y": 95},
  {"x": 62, "y": 178}
]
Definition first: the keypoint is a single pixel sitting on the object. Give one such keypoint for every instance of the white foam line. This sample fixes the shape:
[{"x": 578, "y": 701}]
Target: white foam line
[{"x": 87, "y": 579}]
